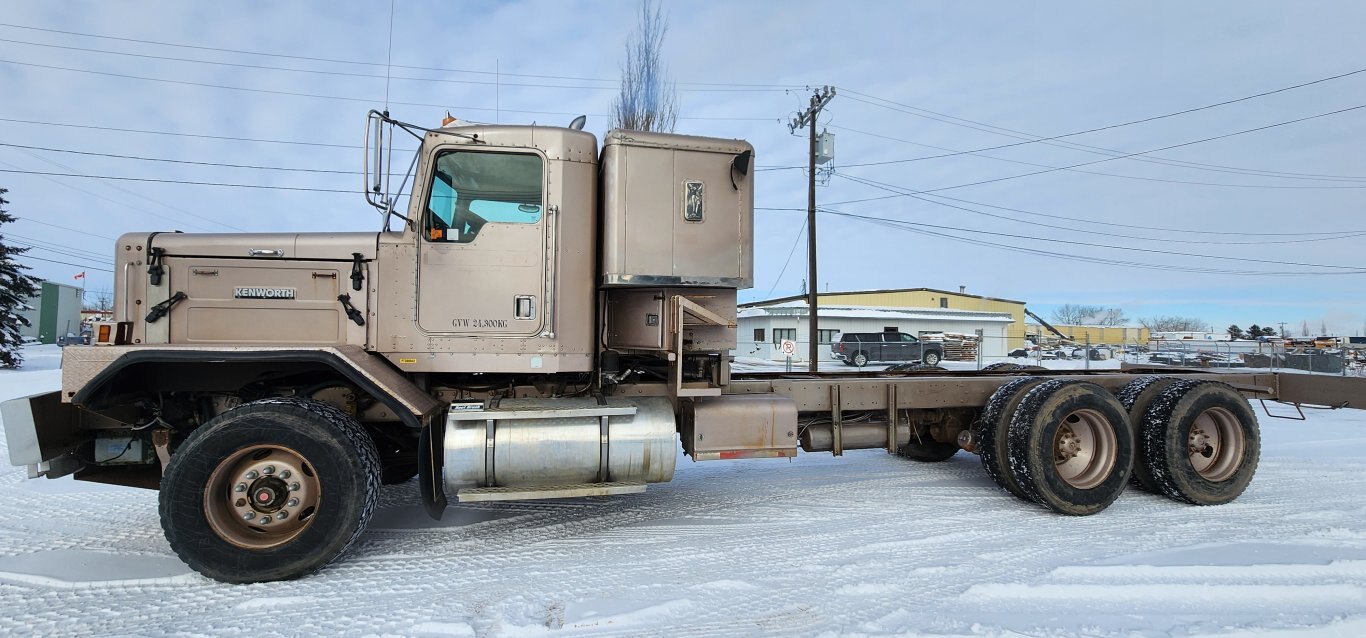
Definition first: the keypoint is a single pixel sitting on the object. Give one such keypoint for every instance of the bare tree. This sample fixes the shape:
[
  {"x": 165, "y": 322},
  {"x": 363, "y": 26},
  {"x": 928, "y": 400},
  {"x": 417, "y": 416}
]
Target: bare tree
[
  {"x": 1086, "y": 315},
  {"x": 1111, "y": 317},
  {"x": 1172, "y": 324},
  {"x": 1072, "y": 314},
  {"x": 648, "y": 101},
  {"x": 101, "y": 300}
]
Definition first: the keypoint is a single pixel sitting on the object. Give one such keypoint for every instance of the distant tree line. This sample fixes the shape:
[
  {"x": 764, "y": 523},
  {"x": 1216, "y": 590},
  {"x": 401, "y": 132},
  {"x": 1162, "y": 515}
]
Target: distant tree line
[{"x": 1254, "y": 331}]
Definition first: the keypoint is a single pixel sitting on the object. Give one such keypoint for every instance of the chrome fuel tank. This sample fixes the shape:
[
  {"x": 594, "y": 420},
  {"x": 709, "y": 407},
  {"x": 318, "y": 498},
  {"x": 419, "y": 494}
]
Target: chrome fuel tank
[{"x": 545, "y": 442}]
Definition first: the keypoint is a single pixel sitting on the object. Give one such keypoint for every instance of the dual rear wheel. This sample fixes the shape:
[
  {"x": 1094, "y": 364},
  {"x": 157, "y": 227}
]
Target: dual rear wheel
[{"x": 1071, "y": 446}]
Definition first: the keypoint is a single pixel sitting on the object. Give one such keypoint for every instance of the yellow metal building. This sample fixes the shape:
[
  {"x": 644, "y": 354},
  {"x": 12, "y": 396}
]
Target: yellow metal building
[
  {"x": 1107, "y": 335},
  {"x": 921, "y": 298}
]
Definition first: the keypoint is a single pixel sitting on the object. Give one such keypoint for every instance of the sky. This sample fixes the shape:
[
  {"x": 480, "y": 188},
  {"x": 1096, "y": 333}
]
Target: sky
[{"x": 1262, "y": 226}]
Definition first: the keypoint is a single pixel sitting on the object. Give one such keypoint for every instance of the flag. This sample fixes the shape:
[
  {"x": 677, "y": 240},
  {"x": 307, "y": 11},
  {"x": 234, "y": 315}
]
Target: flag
[{"x": 80, "y": 275}]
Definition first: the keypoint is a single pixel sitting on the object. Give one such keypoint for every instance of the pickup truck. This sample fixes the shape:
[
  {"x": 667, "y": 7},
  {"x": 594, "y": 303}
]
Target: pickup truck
[{"x": 860, "y": 348}]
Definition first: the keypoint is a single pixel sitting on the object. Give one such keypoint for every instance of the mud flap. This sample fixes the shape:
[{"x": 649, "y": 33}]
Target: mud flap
[
  {"x": 41, "y": 432},
  {"x": 432, "y": 458}
]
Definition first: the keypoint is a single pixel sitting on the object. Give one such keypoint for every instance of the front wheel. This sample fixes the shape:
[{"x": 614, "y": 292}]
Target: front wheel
[
  {"x": 270, "y": 490},
  {"x": 932, "y": 358}
]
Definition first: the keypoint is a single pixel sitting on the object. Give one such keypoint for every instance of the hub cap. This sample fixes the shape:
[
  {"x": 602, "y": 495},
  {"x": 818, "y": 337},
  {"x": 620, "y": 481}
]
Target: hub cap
[
  {"x": 1215, "y": 444},
  {"x": 261, "y": 496},
  {"x": 1085, "y": 449}
]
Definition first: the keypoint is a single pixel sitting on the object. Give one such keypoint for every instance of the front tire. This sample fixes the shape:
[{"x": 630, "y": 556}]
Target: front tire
[
  {"x": 270, "y": 490},
  {"x": 932, "y": 358}
]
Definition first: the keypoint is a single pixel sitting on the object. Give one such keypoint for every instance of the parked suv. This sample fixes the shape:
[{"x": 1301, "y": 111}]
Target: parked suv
[{"x": 860, "y": 348}]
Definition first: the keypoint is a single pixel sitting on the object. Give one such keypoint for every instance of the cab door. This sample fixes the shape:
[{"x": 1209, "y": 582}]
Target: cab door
[{"x": 482, "y": 251}]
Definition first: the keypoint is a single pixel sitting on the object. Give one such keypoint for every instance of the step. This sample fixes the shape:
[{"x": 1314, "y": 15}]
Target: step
[{"x": 574, "y": 490}]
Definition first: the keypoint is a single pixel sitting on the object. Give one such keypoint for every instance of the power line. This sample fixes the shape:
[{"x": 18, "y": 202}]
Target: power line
[
  {"x": 1352, "y": 269},
  {"x": 795, "y": 242},
  {"x": 372, "y": 75},
  {"x": 31, "y": 220},
  {"x": 64, "y": 263},
  {"x": 1082, "y": 258},
  {"x": 195, "y": 135},
  {"x": 367, "y": 63},
  {"x": 896, "y": 189},
  {"x": 125, "y": 190},
  {"x": 176, "y": 161},
  {"x": 1117, "y": 175},
  {"x": 43, "y": 243},
  {"x": 186, "y": 182},
  {"x": 61, "y": 252},
  {"x": 1164, "y": 148},
  {"x": 1032, "y": 138},
  {"x": 342, "y": 97}
]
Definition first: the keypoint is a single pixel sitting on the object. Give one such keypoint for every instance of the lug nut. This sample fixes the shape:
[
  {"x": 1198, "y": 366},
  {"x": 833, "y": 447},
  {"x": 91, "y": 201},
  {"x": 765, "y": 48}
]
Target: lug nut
[
  {"x": 265, "y": 520},
  {"x": 285, "y": 474},
  {"x": 293, "y": 487},
  {"x": 282, "y": 515},
  {"x": 252, "y": 475},
  {"x": 246, "y": 516},
  {"x": 241, "y": 487},
  {"x": 293, "y": 502},
  {"x": 269, "y": 469}
]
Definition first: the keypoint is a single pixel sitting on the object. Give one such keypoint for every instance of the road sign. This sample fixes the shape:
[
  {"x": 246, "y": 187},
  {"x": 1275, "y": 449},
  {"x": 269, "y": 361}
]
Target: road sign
[{"x": 788, "y": 347}]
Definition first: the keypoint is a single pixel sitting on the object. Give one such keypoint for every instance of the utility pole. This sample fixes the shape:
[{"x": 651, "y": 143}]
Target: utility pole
[{"x": 819, "y": 99}]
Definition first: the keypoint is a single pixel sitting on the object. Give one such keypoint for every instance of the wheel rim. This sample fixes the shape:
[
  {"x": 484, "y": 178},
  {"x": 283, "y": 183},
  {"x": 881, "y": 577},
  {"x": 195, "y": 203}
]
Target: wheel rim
[
  {"x": 1085, "y": 449},
  {"x": 859, "y": 359},
  {"x": 1216, "y": 444},
  {"x": 262, "y": 496}
]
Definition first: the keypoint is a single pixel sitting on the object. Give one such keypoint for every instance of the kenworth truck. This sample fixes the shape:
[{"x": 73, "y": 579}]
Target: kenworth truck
[{"x": 544, "y": 319}]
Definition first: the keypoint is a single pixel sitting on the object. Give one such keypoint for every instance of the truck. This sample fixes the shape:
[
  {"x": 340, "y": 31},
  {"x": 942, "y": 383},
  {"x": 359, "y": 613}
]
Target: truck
[{"x": 540, "y": 317}]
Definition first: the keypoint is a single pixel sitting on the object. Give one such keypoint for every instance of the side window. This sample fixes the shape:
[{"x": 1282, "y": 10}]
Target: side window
[
  {"x": 891, "y": 337},
  {"x": 908, "y": 338},
  {"x": 943, "y": 302},
  {"x": 784, "y": 333},
  {"x": 826, "y": 336},
  {"x": 758, "y": 335},
  {"x": 474, "y": 188}
]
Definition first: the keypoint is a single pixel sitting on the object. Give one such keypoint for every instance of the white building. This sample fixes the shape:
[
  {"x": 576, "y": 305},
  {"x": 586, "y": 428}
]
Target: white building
[{"x": 762, "y": 328}]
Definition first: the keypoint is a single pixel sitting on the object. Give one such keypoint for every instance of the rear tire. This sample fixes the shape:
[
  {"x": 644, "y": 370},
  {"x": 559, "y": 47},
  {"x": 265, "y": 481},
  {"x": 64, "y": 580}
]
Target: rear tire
[
  {"x": 993, "y": 431},
  {"x": 1202, "y": 442},
  {"x": 304, "y": 472},
  {"x": 1001, "y": 366},
  {"x": 1136, "y": 397},
  {"x": 860, "y": 359},
  {"x": 1071, "y": 447}
]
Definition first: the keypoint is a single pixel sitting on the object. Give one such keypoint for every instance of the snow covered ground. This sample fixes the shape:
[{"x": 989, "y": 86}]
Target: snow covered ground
[{"x": 866, "y": 544}]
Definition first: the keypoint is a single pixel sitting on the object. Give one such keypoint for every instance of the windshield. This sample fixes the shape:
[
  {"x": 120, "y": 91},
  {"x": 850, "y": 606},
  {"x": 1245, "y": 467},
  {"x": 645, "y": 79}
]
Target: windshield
[{"x": 473, "y": 188}]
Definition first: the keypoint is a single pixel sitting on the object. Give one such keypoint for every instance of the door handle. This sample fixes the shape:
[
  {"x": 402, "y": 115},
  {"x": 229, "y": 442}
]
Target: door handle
[{"x": 266, "y": 252}]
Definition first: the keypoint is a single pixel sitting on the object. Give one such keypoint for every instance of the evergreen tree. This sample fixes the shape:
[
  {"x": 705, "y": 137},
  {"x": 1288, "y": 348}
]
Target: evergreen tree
[
  {"x": 1254, "y": 331},
  {"x": 1268, "y": 331},
  {"x": 1234, "y": 332},
  {"x": 16, "y": 289}
]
